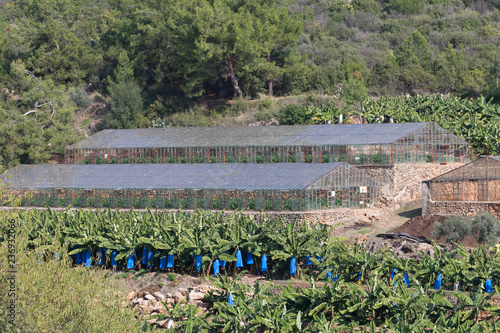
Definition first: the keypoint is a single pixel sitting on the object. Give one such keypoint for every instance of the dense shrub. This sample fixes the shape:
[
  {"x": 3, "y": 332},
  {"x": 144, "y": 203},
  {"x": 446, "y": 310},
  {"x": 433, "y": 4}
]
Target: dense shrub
[
  {"x": 81, "y": 99},
  {"x": 454, "y": 228},
  {"x": 293, "y": 114},
  {"x": 485, "y": 228}
]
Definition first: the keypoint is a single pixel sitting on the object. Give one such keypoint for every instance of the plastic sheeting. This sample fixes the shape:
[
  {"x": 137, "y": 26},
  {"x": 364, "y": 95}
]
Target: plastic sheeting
[
  {"x": 263, "y": 263},
  {"x": 293, "y": 266},
  {"x": 216, "y": 267},
  {"x": 437, "y": 282},
  {"x": 239, "y": 260}
]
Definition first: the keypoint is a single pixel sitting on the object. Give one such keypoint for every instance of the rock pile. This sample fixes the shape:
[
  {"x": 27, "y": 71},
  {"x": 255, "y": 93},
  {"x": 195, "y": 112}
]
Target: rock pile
[
  {"x": 160, "y": 303},
  {"x": 403, "y": 248}
]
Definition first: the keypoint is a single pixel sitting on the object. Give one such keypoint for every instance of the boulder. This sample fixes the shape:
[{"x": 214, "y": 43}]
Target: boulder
[
  {"x": 196, "y": 296},
  {"x": 132, "y": 295}
]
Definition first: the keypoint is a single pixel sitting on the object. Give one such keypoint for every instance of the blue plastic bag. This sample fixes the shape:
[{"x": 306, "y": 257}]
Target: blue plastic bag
[
  {"x": 163, "y": 262},
  {"x": 79, "y": 258},
  {"x": 263, "y": 263},
  {"x": 329, "y": 275},
  {"x": 130, "y": 261},
  {"x": 151, "y": 259},
  {"x": 293, "y": 266},
  {"x": 216, "y": 267},
  {"x": 249, "y": 258},
  {"x": 308, "y": 261},
  {"x": 488, "y": 286},
  {"x": 198, "y": 262},
  {"x": 230, "y": 300},
  {"x": 170, "y": 261},
  {"x": 336, "y": 277},
  {"x": 145, "y": 256},
  {"x": 113, "y": 259},
  {"x": 407, "y": 279},
  {"x": 239, "y": 260},
  {"x": 88, "y": 259},
  {"x": 100, "y": 255},
  {"x": 437, "y": 283}
]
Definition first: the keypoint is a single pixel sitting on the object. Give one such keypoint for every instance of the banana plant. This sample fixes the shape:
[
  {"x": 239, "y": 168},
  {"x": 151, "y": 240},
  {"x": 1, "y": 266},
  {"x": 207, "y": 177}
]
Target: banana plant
[
  {"x": 123, "y": 236},
  {"x": 292, "y": 242}
]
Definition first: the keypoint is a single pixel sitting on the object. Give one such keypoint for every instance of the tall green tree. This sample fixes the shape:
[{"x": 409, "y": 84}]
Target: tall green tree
[
  {"x": 223, "y": 36},
  {"x": 37, "y": 118}
]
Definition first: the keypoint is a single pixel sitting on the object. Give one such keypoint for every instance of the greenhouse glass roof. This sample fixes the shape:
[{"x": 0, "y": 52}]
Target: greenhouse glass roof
[
  {"x": 299, "y": 135},
  {"x": 169, "y": 176}
]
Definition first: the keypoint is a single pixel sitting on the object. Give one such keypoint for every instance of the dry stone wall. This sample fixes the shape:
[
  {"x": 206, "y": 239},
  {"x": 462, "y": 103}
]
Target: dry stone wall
[
  {"x": 461, "y": 208},
  {"x": 402, "y": 182}
]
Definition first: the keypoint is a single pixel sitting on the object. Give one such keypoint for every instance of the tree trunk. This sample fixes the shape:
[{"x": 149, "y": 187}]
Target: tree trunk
[
  {"x": 271, "y": 80},
  {"x": 234, "y": 79}
]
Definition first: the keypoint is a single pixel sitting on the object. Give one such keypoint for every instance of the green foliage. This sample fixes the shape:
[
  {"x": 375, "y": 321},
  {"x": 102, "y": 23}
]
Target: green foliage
[
  {"x": 46, "y": 294},
  {"x": 406, "y": 6},
  {"x": 126, "y": 106},
  {"x": 474, "y": 120},
  {"x": 333, "y": 306},
  {"x": 81, "y": 99},
  {"x": 484, "y": 227},
  {"x": 454, "y": 228},
  {"x": 37, "y": 124},
  {"x": 293, "y": 114}
]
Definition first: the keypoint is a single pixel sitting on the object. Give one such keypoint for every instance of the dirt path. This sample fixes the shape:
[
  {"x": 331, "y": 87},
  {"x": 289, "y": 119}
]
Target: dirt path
[{"x": 388, "y": 220}]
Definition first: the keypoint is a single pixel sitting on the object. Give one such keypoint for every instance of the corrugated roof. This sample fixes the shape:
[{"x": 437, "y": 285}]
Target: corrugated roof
[
  {"x": 169, "y": 176},
  {"x": 300, "y": 135}
]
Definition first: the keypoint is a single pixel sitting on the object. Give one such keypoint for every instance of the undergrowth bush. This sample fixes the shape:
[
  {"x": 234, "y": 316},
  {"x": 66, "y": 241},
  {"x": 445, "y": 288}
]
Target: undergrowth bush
[
  {"x": 56, "y": 296},
  {"x": 484, "y": 227}
]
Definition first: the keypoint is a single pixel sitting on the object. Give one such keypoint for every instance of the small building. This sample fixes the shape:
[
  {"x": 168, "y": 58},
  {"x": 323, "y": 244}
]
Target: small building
[
  {"x": 365, "y": 144},
  {"x": 465, "y": 190},
  {"x": 279, "y": 187}
]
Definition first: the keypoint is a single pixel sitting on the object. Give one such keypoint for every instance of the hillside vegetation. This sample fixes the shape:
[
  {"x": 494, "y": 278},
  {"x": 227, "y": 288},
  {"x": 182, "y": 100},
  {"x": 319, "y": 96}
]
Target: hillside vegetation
[{"x": 67, "y": 65}]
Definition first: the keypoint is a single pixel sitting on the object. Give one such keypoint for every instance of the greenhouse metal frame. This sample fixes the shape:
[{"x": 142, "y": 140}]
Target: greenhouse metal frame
[
  {"x": 284, "y": 187},
  {"x": 356, "y": 144},
  {"x": 475, "y": 181}
]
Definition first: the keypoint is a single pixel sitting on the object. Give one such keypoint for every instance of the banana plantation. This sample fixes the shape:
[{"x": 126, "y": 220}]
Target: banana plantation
[
  {"x": 477, "y": 121},
  {"x": 450, "y": 292}
]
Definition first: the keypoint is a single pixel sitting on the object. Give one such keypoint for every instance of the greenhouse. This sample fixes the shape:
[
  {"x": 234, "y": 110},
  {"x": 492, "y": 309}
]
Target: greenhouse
[
  {"x": 365, "y": 144},
  {"x": 475, "y": 181},
  {"x": 295, "y": 187}
]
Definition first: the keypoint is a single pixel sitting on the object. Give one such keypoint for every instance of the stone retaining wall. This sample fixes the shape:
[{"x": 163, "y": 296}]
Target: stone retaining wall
[
  {"x": 402, "y": 182},
  {"x": 461, "y": 208}
]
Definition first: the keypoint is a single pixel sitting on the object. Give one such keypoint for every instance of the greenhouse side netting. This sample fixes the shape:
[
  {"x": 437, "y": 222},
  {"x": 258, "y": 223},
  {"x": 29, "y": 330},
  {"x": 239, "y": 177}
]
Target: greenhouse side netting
[
  {"x": 355, "y": 144},
  {"x": 292, "y": 187}
]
